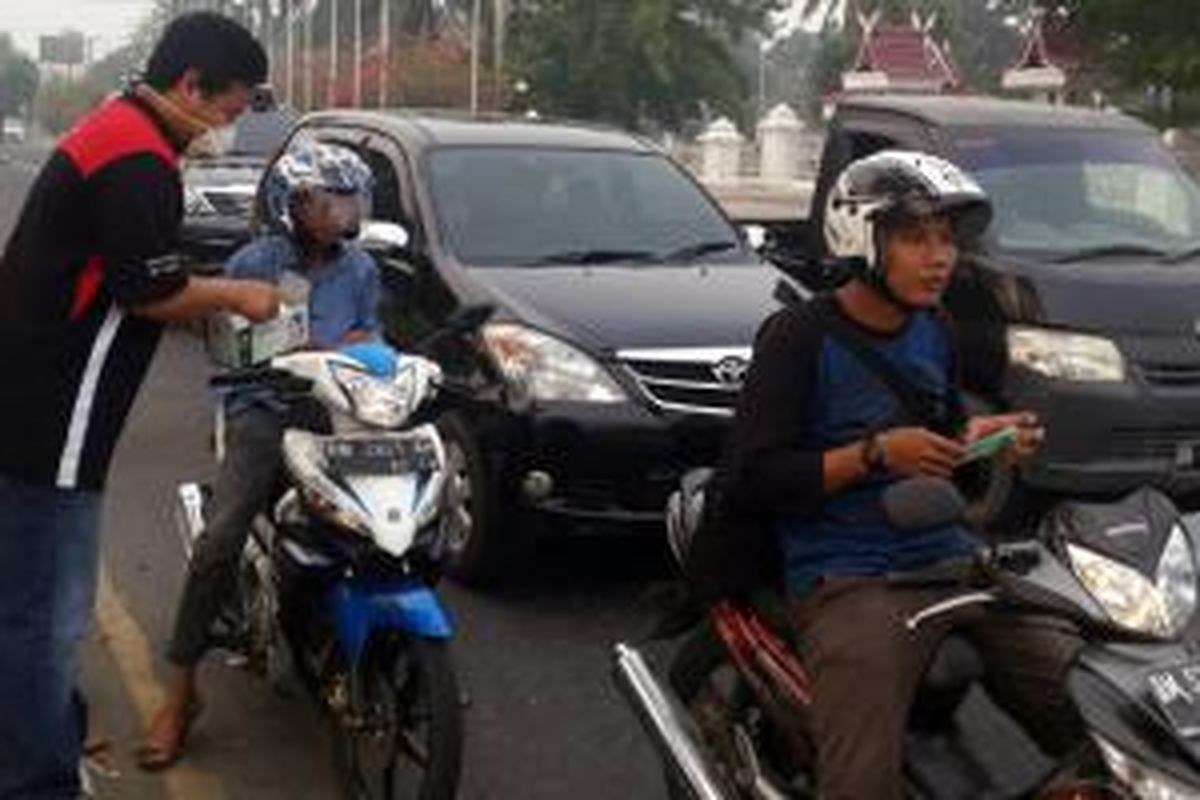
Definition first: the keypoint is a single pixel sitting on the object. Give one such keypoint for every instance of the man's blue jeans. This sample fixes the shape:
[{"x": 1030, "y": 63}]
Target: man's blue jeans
[{"x": 49, "y": 553}]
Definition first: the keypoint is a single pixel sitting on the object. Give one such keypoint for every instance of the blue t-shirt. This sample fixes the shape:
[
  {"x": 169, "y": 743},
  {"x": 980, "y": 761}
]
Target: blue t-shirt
[
  {"x": 345, "y": 290},
  {"x": 850, "y": 534}
]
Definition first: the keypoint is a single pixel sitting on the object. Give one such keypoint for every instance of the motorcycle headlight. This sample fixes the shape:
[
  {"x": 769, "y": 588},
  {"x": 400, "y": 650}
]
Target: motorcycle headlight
[
  {"x": 374, "y": 401},
  {"x": 1163, "y": 607},
  {"x": 1142, "y": 780},
  {"x": 544, "y": 368},
  {"x": 1066, "y": 356}
]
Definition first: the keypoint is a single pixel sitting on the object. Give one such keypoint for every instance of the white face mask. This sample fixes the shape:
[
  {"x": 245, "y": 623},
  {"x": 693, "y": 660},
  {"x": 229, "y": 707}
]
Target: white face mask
[{"x": 213, "y": 143}]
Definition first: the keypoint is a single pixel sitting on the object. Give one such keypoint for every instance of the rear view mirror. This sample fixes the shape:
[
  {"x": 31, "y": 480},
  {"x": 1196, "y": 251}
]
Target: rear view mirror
[{"x": 469, "y": 319}]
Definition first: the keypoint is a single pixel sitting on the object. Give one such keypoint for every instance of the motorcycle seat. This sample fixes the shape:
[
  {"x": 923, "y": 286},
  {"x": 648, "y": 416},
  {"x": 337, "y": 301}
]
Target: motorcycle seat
[{"x": 954, "y": 668}]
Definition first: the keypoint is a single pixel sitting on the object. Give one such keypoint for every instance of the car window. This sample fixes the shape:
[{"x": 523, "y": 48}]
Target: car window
[
  {"x": 261, "y": 133},
  {"x": 519, "y": 205},
  {"x": 1062, "y": 191}
]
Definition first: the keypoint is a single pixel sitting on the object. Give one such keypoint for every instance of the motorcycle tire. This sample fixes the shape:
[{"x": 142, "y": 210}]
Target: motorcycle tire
[
  {"x": 698, "y": 666},
  {"x": 410, "y": 726}
]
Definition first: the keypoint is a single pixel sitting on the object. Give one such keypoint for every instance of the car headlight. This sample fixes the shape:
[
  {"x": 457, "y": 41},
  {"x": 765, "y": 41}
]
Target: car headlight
[
  {"x": 1163, "y": 607},
  {"x": 544, "y": 368},
  {"x": 373, "y": 401},
  {"x": 1142, "y": 780},
  {"x": 1066, "y": 356},
  {"x": 195, "y": 204}
]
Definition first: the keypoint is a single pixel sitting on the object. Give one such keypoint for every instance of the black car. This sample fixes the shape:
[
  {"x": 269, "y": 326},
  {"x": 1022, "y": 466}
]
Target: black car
[
  {"x": 626, "y": 304},
  {"x": 1083, "y": 303},
  {"x": 219, "y": 192}
]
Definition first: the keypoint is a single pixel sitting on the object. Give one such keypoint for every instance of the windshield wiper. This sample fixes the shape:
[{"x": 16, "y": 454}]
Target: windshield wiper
[
  {"x": 1189, "y": 252},
  {"x": 694, "y": 251},
  {"x": 595, "y": 256},
  {"x": 1109, "y": 251}
]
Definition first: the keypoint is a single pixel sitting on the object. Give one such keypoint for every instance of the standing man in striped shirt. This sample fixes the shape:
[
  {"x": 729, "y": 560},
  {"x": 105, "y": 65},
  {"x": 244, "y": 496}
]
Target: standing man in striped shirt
[{"x": 87, "y": 281}]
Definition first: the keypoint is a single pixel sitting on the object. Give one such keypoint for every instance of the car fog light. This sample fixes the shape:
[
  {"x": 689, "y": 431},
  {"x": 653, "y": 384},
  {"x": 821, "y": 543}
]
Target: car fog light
[{"x": 537, "y": 485}]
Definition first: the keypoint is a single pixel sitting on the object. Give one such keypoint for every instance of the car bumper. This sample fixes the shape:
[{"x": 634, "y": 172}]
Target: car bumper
[
  {"x": 606, "y": 463},
  {"x": 1103, "y": 438}
]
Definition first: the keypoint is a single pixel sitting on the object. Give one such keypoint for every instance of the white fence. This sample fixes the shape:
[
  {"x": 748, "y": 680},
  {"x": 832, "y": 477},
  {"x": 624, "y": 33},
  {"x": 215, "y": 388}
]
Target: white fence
[{"x": 765, "y": 178}]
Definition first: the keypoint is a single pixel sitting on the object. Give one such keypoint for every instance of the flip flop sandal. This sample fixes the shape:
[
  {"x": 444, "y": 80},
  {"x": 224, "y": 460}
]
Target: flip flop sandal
[{"x": 155, "y": 758}]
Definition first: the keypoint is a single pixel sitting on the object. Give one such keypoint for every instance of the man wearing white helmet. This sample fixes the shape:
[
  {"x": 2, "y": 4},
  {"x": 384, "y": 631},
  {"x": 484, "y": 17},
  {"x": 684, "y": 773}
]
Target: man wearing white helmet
[
  {"x": 820, "y": 433},
  {"x": 315, "y": 196}
]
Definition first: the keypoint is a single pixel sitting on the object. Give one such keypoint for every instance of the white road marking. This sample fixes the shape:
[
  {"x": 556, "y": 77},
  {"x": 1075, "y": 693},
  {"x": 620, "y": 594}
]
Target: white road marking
[{"x": 134, "y": 657}]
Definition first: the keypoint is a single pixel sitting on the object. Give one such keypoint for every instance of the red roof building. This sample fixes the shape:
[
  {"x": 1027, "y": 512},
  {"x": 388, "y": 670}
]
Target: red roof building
[
  {"x": 1047, "y": 63},
  {"x": 901, "y": 57}
]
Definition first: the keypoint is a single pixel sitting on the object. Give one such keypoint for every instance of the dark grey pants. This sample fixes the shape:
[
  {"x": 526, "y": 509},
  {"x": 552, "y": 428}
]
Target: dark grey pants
[
  {"x": 866, "y": 665},
  {"x": 243, "y": 488}
]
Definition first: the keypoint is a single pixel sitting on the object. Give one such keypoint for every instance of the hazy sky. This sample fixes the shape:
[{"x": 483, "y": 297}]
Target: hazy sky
[{"x": 109, "y": 21}]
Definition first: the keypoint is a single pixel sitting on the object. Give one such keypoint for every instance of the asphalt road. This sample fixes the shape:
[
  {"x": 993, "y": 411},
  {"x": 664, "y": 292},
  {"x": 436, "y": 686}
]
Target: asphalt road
[{"x": 544, "y": 721}]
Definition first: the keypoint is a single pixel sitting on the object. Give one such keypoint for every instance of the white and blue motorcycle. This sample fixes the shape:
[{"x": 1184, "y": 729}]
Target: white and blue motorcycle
[{"x": 336, "y": 583}]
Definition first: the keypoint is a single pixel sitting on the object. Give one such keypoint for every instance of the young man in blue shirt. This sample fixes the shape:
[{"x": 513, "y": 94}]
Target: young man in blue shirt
[
  {"x": 819, "y": 436},
  {"x": 315, "y": 194}
]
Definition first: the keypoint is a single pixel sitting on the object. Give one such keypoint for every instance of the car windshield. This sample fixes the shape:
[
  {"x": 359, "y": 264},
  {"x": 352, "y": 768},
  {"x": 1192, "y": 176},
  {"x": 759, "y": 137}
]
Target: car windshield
[
  {"x": 1082, "y": 191},
  {"x": 260, "y": 133},
  {"x": 541, "y": 207}
]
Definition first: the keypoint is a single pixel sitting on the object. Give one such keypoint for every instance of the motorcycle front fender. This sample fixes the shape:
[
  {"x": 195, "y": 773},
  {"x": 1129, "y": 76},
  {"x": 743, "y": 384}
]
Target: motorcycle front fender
[{"x": 362, "y": 609}]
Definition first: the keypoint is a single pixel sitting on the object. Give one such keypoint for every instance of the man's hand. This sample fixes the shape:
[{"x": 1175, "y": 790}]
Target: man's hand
[
  {"x": 1030, "y": 433},
  {"x": 910, "y": 452},
  {"x": 258, "y": 301}
]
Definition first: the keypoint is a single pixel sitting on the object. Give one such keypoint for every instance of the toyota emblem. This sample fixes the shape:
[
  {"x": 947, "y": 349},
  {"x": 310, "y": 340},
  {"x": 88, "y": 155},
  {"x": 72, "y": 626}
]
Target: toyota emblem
[{"x": 731, "y": 370}]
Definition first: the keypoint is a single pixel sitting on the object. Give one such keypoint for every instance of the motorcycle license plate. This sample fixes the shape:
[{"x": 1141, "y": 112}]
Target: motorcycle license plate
[
  {"x": 1176, "y": 692},
  {"x": 370, "y": 456}
]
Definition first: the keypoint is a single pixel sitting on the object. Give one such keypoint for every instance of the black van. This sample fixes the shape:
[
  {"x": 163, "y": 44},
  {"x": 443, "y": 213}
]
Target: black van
[
  {"x": 626, "y": 308},
  {"x": 1084, "y": 304}
]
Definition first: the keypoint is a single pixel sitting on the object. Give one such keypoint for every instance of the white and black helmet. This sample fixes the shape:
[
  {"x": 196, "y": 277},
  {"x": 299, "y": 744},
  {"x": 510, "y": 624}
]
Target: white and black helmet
[{"x": 895, "y": 185}]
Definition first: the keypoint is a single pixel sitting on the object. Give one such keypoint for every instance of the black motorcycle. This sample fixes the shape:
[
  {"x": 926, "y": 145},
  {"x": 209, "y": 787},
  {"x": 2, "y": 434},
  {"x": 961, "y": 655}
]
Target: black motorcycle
[{"x": 729, "y": 713}]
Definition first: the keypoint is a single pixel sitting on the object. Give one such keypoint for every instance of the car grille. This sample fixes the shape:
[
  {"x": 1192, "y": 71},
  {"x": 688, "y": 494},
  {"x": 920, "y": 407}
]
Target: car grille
[
  {"x": 1163, "y": 374},
  {"x": 230, "y": 204},
  {"x": 690, "y": 380},
  {"x": 1151, "y": 442}
]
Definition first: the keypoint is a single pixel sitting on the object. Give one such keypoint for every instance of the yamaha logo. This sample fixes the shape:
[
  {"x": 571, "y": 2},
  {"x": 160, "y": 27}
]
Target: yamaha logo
[{"x": 731, "y": 370}]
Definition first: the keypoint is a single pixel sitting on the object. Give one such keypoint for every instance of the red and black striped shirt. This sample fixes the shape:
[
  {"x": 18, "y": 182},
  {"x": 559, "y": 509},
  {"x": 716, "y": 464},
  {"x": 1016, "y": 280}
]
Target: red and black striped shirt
[{"x": 97, "y": 237}]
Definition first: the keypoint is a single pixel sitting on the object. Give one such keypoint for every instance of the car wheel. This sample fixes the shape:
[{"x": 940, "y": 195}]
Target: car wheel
[{"x": 470, "y": 522}]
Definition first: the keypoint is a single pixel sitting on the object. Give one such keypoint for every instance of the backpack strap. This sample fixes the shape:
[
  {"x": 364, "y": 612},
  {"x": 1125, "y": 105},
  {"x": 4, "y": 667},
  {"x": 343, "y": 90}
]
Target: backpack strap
[{"x": 942, "y": 413}]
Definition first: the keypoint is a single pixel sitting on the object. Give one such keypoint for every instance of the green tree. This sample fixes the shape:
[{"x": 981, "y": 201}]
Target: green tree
[
  {"x": 18, "y": 79},
  {"x": 637, "y": 63}
]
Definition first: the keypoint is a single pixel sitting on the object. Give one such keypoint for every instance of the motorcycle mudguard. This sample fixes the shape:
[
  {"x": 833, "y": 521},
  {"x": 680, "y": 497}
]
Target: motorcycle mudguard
[{"x": 361, "y": 609}]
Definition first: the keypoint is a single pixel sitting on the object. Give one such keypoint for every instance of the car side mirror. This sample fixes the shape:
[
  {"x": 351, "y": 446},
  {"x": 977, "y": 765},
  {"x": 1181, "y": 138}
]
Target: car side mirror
[
  {"x": 390, "y": 244},
  {"x": 386, "y": 239},
  {"x": 755, "y": 236}
]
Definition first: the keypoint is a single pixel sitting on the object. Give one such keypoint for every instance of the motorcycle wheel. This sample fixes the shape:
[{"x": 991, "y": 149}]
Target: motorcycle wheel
[
  {"x": 718, "y": 701},
  {"x": 405, "y": 741}
]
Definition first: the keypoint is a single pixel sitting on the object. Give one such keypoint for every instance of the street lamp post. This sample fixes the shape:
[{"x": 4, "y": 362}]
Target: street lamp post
[
  {"x": 334, "y": 33},
  {"x": 476, "y": 12},
  {"x": 385, "y": 42},
  {"x": 309, "y": 10},
  {"x": 358, "y": 33},
  {"x": 289, "y": 20}
]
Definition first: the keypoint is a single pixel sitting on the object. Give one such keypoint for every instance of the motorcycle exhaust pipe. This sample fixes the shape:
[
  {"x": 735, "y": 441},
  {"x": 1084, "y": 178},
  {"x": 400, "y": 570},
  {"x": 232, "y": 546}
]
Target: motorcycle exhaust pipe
[{"x": 662, "y": 717}]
